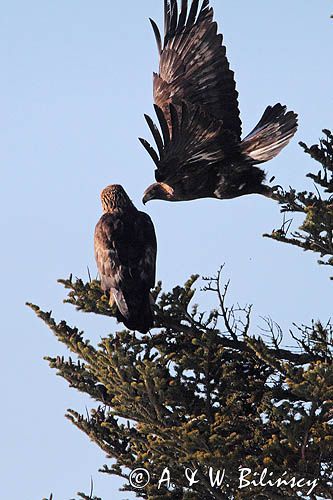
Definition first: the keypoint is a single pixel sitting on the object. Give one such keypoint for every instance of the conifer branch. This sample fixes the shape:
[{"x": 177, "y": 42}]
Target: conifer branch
[{"x": 316, "y": 232}]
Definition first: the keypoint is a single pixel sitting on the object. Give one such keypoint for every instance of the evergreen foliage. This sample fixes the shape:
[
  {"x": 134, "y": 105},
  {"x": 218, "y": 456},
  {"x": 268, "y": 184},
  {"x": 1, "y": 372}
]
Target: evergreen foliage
[
  {"x": 316, "y": 232},
  {"x": 202, "y": 389}
]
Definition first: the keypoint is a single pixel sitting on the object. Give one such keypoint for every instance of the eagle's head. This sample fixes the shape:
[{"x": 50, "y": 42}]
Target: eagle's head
[
  {"x": 159, "y": 191},
  {"x": 114, "y": 197}
]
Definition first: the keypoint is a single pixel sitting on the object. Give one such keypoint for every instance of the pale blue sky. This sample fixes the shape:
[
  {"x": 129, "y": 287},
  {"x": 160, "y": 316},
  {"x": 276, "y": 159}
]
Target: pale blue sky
[{"x": 75, "y": 82}]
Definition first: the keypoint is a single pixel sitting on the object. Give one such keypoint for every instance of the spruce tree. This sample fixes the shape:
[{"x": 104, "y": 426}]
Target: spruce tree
[
  {"x": 203, "y": 391},
  {"x": 316, "y": 232}
]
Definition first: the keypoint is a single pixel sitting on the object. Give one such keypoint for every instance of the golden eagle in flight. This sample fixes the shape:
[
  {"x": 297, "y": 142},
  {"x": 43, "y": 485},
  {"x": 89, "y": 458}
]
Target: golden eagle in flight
[
  {"x": 200, "y": 152},
  {"x": 125, "y": 252}
]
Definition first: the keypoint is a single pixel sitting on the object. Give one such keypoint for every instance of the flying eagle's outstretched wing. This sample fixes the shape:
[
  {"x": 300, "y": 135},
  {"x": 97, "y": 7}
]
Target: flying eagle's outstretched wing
[
  {"x": 273, "y": 132},
  {"x": 125, "y": 252},
  {"x": 193, "y": 64},
  {"x": 186, "y": 147}
]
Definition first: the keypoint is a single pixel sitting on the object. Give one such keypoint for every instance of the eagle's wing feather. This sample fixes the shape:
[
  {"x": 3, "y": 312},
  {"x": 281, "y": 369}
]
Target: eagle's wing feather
[
  {"x": 107, "y": 253},
  {"x": 194, "y": 140},
  {"x": 193, "y": 64},
  {"x": 273, "y": 132},
  {"x": 147, "y": 262}
]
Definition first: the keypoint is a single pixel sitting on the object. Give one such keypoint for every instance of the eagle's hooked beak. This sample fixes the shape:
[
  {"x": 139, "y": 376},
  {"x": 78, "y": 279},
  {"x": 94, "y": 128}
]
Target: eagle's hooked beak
[
  {"x": 145, "y": 199},
  {"x": 158, "y": 191},
  {"x": 148, "y": 195}
]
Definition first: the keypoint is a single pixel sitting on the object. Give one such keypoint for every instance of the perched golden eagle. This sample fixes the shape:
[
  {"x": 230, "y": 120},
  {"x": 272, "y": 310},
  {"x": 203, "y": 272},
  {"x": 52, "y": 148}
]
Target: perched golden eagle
[
  {"x": 125, "y": 252},
  {"x": 199, "y": 150}
]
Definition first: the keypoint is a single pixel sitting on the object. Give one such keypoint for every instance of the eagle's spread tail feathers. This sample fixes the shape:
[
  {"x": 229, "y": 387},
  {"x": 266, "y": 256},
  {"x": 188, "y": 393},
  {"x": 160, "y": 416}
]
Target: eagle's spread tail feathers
[
  {"x": 135, "y": 313},
  {"x": 273, "y": 132}
]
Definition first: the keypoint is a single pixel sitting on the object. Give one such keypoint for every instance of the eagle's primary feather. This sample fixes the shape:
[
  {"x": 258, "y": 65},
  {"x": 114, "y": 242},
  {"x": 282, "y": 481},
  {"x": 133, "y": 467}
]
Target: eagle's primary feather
[
  {"x": 199, "y": 149},
  {"x": 125, "y": 252}
]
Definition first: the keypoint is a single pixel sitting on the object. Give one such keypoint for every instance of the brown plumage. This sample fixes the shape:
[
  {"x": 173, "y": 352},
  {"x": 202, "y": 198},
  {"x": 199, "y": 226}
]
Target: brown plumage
[
  {"x": 125, "y": 252},
  {"x": 199, "y": 149}
]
